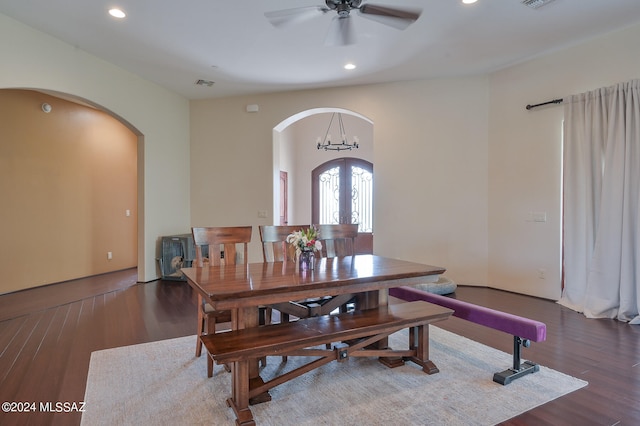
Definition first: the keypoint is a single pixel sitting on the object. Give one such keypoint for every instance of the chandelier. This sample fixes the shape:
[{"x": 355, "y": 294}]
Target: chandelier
[{"x": 327, "y": 145}]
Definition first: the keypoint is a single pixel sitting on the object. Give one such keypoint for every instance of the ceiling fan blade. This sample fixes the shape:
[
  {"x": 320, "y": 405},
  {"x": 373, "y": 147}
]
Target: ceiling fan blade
[
  {"x": 340, "y": 32},
  {"x": 286, "y": 17},
  {"x": 391, "y": 16}
]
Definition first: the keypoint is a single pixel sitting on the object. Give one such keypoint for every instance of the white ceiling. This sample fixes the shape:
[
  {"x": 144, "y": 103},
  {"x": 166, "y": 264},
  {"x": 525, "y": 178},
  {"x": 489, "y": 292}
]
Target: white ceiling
[{"x": 174, "y": 43}]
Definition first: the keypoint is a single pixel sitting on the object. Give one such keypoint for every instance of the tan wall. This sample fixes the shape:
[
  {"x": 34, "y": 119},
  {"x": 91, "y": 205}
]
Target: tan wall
[
  {"x": 429, "y": 154},
  {"x": 525, "y": 155},
  {"x": 66, "y": 181}
]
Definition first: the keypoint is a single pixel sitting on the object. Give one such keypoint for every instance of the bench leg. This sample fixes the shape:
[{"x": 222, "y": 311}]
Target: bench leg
[
  {"x": 419, "y": 342},
  {"x": 201, "y": 324},
  {"x": 519, "y": 369}
]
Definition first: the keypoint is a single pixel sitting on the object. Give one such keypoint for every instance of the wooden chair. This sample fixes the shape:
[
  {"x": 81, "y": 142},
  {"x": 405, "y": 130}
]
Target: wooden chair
[
  {"x": 276, "y": 249},
  {"x": 222, "y": 243},
  {"x": 338, "y": 240},
  {"x": 274, "y": 242}
]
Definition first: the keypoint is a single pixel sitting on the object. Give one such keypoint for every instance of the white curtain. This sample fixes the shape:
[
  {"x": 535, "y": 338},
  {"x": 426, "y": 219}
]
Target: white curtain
[{"x": 601, "y": 203}]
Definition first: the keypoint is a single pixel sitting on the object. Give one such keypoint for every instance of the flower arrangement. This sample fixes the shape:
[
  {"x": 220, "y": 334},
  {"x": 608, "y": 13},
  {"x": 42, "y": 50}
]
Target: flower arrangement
[{"x": 305, "y": 240}]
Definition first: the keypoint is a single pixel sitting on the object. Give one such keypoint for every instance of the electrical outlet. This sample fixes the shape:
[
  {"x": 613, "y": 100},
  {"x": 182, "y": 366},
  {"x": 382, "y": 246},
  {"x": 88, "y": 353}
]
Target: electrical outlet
[
  {"x": 542, "y": 274},
  {"x": 109, "y": 255},
  {"x": 262, "y": 213}
]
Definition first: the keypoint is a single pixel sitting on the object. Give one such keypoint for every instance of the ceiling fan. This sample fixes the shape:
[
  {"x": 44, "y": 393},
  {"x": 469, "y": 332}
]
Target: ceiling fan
[{"x": 341, "y": 31}]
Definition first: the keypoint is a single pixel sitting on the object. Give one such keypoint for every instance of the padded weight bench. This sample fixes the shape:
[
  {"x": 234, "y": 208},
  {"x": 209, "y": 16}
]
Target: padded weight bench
[{"x": 524, "y": 330}]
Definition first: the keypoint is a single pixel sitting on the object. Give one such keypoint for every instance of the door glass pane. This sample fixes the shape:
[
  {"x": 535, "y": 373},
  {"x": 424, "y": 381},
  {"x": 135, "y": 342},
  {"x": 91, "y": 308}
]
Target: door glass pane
[
  {"x": 329, "y": 194},
  {"x": 362, "y": 199}
]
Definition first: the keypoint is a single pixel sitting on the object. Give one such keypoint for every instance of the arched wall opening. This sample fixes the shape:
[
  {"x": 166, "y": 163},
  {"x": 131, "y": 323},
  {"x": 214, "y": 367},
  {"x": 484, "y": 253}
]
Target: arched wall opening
[{"x": 295, "y": 152}]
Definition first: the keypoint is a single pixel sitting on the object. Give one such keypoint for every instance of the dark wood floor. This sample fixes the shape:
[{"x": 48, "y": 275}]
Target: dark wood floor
[{"x": 47, "y": 336}]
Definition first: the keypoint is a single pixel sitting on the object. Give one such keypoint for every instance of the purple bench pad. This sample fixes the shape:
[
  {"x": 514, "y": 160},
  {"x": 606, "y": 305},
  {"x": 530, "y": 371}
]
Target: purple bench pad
[{"x": 525, "y": 328}]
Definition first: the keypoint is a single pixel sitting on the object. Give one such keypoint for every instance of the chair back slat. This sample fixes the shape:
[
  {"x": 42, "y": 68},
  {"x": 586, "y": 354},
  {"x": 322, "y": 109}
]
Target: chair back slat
[
  {"x": 222, "y": 242},
  {"x": 338, "y": 240},
  {"x": 274, "y": 245}
]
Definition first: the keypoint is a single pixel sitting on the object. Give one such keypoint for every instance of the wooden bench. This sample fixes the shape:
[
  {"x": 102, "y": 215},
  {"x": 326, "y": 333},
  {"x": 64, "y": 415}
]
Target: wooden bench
[
  {"x": 524, "y": 330},
  {"x": 359, "y": 333}
]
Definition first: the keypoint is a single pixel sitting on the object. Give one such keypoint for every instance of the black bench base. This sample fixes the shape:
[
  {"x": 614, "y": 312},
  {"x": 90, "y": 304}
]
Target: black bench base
[
  {"x": 507, "y": 376},
  {"x": 519, "y": 368}
]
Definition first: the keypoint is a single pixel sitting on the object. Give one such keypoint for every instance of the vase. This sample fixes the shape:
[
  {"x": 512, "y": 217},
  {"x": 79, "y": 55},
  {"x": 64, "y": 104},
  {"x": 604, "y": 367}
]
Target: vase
[{"x": 306, "y": 260}]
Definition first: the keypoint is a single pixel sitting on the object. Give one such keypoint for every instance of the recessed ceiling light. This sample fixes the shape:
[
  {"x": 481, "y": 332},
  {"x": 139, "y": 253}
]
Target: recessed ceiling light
[
  {"x": 469, "y": 1},
  {"x": 117, "y": 13},
  {"x": 350, "y": 67}
]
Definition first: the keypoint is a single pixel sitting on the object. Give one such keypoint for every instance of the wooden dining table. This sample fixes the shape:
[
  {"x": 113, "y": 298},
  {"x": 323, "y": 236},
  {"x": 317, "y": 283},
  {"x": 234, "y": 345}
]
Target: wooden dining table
[{"x": 243, "y": 288}]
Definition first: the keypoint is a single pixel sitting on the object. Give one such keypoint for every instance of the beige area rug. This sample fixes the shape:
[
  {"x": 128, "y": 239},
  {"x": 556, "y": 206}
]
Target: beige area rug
[{"x": 163, "y": 383}]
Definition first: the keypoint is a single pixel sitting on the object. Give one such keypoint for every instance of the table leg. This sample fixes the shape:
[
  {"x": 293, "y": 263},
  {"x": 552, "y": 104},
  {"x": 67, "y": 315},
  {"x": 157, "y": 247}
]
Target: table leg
[
  {"x": 368, "y": 300},
  {"x": 239, "y": 402},
  {"x": 245, "y": 318},
  {"x": 371, "y": 300}
]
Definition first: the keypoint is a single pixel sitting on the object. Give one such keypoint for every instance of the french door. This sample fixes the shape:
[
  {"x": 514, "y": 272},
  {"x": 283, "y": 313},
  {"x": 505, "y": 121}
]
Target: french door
[{"x": 342, "y": 192}]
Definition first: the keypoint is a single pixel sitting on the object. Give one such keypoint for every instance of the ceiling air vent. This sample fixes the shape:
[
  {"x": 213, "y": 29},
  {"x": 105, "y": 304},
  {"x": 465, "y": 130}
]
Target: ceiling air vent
[
  {"x": 207, "y": 83},
  {"x": 535, "y": 4}
]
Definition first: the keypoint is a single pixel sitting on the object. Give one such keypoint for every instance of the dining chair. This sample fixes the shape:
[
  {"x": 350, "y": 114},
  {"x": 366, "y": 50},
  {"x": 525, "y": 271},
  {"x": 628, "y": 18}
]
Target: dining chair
[
  {"x": 222, "y": 247},
  {"x": 276, "y": 249},
  {"x": 338, "y": 239},
  {"x": 274, "y": 242}
]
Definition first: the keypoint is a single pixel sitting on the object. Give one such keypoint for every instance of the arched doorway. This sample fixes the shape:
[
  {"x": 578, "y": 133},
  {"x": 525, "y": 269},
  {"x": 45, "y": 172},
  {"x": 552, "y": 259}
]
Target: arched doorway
[{"x": 296, "y": 154}]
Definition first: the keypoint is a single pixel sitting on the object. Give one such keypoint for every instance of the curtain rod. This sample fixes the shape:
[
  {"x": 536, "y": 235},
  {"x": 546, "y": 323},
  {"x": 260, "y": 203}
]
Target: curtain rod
[{"x": 555, "y": 101}]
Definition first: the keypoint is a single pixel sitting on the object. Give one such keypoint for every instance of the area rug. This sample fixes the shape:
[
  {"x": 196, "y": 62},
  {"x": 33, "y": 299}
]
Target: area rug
[{"x": 163, "y": 383}]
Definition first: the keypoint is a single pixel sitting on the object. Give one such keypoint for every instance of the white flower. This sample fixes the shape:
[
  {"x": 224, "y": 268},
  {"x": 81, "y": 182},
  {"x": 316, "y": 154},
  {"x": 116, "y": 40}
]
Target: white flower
[{"x": 305, "y": 240}]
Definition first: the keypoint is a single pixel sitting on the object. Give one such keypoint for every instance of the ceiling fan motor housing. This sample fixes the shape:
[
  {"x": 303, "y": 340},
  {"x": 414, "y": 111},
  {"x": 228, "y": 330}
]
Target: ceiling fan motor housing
[{"x": 343, "y": 7}]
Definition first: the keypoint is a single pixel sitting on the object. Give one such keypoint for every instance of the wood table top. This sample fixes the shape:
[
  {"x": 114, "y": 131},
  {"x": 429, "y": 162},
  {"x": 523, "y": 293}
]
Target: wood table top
[{"x": 235, "y": 286}]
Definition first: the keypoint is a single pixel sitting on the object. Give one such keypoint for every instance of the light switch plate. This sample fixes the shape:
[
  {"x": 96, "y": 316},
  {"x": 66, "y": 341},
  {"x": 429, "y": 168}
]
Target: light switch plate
[{"x": 537, "y": 217}]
